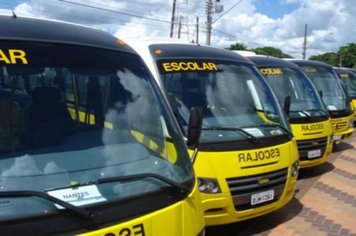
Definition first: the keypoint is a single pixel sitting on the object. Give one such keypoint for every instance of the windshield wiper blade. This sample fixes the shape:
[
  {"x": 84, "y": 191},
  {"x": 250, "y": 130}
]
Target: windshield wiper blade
[
  {"x": 178, "y": 186},
  {"x": 249, "y": 136},
  {"x": 28, "y": 193},
  {"x": 322, "y": 111}
]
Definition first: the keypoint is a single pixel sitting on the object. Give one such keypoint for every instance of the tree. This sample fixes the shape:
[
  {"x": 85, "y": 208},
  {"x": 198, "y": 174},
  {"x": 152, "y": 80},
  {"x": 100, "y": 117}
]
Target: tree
[
  {"x": 330, "y": 58},
  {"x": 237, "y": 46},
  {"x": 345, "y": 56},
  {"x": 271, "y": 51}
]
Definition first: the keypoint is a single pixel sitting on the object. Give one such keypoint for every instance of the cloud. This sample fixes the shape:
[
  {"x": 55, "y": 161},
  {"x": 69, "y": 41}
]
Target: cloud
[{"x": 330, "y": 22}]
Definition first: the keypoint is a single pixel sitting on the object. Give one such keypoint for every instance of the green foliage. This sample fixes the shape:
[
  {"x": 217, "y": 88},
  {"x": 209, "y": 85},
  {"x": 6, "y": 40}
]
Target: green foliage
[
  {"x": 237, "y": 46},
  {"x": 330, "y": 58},
  {"x": 271, "y": 51},
  {"x": 345, "y": 56}
]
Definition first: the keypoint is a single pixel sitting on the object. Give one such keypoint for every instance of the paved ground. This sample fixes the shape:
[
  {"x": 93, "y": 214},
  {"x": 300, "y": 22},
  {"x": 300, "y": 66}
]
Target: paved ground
[{"x": 324, "y": 203}]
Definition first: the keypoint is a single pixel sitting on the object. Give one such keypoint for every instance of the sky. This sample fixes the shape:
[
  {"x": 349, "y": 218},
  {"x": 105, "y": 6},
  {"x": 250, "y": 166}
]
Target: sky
[{"x": 254, "y": 23}]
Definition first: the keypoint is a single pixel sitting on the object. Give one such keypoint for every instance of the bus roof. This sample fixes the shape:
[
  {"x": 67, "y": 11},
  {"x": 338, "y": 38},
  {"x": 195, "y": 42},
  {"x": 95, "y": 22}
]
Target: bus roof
[
  {"x": 40, "y": 30},
  {"x": 300, "y": 62},
  {"x": 271, "y": 61},
  {"x": 183, "y": 50},
  {"x": 344, "y": 70}
]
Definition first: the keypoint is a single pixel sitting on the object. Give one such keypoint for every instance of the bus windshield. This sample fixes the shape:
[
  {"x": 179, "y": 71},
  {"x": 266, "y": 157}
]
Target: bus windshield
[
  {"x": 304, "y": 99},
  {"x": 77, "y": 118},
  {"x": 327, "y": 83},
  {"x": 236, "y": 102},
  {"x": 349, "y": 80}
]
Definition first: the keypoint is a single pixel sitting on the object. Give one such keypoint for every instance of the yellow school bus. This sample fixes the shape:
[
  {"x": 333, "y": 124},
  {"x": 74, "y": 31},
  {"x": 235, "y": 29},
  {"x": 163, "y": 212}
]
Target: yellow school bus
[
  {"x": 302, "y": 104},
  {"x": 348, "y": 79},
  {"x": 333, "y": 95},
  {"x": 247, "y": 163},
  {"x": 88, "y": 144}
]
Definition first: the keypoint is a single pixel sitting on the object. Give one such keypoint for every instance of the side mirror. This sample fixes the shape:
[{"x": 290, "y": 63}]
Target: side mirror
[
  {"x": 321, "y": 93},
  {"x": 194, "y": 130},
  {"x": 194, "y": 127},
  {"x": 286, "y": 105}
]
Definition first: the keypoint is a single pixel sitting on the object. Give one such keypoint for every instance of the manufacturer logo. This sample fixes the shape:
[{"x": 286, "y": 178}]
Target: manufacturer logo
[{"x": 263, "y": 181}]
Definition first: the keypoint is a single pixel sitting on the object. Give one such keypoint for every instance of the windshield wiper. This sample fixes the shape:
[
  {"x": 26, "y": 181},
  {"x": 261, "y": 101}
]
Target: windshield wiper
[
  {"x": 249, "y": 136},
  {"x": 178, "y": 186},
  {"x": 322, "y": 111},
  {"x": 27, "y": 193}
]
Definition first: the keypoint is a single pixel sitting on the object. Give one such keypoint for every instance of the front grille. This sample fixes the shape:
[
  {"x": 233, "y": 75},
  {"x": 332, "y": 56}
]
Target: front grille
[
  {"x": 243, "y": 188},
  {"x": 339, "y": 125},
  {"x": 306, "y": 147}
]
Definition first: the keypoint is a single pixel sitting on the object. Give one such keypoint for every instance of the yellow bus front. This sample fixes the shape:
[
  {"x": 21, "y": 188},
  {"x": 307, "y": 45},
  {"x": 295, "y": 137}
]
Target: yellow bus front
[
  {"x": 244, "y": 184},
  {"x": 181, "y": 218},
  {"x": 334, "y": 97},
  {"x": 315, "y": 142},
  {"x": 89, "y": 146},
  {"x": 247, "y": 163},
  {"x": 308, "y": 116},
  {"x": 348, "y": 79}
]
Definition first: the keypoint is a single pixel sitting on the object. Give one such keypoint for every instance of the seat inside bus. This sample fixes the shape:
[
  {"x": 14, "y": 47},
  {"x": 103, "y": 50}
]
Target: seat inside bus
[{"x": 49, "y": 121}]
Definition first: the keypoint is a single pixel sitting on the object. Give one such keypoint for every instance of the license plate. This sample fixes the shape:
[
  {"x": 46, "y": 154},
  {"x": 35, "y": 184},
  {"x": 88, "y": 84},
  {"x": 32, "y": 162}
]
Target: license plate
[
  {"x": 258, "y": 198},
  {"x": 336, "y": 137},
  {"x": 314, "y": 153}
]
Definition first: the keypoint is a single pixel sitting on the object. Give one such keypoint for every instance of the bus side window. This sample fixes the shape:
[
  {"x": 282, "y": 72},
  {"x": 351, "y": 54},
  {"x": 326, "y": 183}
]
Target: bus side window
[{"x": 94, "y": 101}]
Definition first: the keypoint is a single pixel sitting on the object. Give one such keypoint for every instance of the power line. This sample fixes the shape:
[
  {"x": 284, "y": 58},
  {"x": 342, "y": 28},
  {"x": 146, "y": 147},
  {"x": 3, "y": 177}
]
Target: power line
[
  {"x": 235, "y": 38},
  {"x": 115, "y": 11},
  {"x": 227, "y": 11}
]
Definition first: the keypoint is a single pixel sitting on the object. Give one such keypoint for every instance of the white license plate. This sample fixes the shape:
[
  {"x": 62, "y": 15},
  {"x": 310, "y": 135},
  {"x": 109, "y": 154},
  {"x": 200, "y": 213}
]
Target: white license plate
[
  {"x": 314, "y": 153},
  {"x": 258, "y": 198},
  {"x": 336, "y": 137}
]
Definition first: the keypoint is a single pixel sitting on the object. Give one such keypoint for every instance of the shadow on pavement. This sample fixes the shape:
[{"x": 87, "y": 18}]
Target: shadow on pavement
[
  {"x": 315, "y": 171},
  {"x": 342, "y": 147},
  {"x": 260, "y": 224}
]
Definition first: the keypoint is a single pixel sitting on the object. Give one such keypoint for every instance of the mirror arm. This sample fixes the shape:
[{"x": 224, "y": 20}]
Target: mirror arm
[{"x": 194, "y": 156}]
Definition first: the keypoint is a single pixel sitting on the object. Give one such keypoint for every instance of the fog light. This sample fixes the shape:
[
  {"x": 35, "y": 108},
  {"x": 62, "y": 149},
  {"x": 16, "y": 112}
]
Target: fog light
[
  {"x": 208, "y": 185},
  {"x": 295, "y": 168}
]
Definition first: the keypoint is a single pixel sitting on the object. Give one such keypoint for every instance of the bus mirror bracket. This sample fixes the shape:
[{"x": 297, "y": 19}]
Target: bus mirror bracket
[
  {"x": 321, "y": 93},
  {"x": 194, "y": 130},
  {"x": 286, "y": 105}
]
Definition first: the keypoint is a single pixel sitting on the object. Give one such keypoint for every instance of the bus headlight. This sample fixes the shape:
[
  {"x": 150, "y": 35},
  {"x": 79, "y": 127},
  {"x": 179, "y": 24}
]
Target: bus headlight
[
  {"x": 352, "y": 124},
  {"x": 208, "y": 185},
  {"x": 295, "y": 168}
]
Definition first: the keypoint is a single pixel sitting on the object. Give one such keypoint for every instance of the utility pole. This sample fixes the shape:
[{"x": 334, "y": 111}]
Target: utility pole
[
  {"x": 209, "y": 20},
  {"x": 305, "y": 40},
  {"x": 179, "y": 26},
  {"x": 197, "y": 31},
  {"x": 172, "y": 20}
]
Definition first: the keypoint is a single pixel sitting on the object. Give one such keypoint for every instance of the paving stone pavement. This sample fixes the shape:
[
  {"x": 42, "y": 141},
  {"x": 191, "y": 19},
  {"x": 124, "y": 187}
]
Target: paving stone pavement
[{"x": 324, "y": 202}]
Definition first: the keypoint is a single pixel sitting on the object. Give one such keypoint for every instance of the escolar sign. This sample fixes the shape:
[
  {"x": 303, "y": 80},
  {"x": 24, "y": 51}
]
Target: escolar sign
[
  {"x": 271, "y": 71},
  {"x": 13, "y": 56},
  {"x": 189, "y": 66}
]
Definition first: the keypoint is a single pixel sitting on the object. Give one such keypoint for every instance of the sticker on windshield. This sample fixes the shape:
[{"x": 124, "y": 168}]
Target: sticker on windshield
[
  {"x": 332, "y": 108},
  {"x": 276, "y": 132},
  {"x": 78, "y": 196},
  {"x": 254, "y": 131}
]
